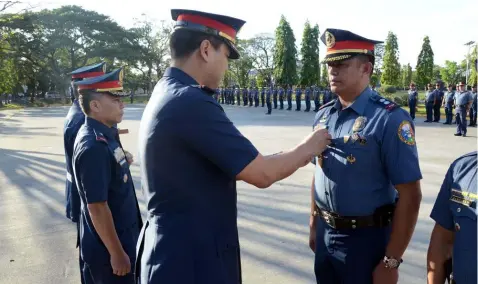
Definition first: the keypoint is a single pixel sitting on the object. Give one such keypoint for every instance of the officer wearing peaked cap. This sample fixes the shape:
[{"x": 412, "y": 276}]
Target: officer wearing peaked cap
[
  {"x": 357, "y": 230},
  {"x": 191, "y": 233},
  {"x": 73, "y": 121},
  {"x": 110, "y": 219}
]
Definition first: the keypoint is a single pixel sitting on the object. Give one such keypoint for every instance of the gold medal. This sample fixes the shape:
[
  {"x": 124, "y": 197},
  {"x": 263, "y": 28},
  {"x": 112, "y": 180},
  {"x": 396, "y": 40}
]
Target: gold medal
[
  {"x": 350, "y": 159},
  {"x": 346, "y": 138},
  {"x": 125, "y": 178}
]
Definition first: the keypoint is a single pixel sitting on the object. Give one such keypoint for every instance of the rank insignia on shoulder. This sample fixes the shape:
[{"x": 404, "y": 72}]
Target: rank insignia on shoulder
[
  {"x": 405, "y": 133},
  {"x": 388, "y": 105},
  {"x": 100, "y": 137}
]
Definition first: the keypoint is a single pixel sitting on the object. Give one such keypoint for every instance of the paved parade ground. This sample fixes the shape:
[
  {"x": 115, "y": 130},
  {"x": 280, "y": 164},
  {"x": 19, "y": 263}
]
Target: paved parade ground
[{"x": 37, "y": 242}]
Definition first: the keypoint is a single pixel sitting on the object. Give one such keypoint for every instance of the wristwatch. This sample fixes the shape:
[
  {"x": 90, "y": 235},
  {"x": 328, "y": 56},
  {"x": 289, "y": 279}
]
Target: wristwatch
[{"x": 391, "y": 262}]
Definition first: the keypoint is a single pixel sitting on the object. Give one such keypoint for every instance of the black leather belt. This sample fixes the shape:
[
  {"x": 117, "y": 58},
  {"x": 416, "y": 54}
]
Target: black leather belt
[{"x": 382, "y": 217}]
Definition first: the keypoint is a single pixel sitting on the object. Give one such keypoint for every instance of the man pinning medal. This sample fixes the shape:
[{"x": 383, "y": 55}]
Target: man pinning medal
[{"x": 358, "y": 230}]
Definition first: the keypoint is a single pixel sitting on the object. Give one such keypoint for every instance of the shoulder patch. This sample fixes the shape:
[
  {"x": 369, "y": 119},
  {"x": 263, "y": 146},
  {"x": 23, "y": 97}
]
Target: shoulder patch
[
  {"x": 385, "y": 103},
  {"x": 206, "y": 89},
  {"x": 405, "y": 133},
  {"x": 101, "y": 137},
  {"x": 332, "y": 102}
]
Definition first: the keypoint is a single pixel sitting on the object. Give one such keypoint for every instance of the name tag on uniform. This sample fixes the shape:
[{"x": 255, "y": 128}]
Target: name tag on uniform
[
  {"x": 464, "y": 198},
  {"x": 119, "y": 155}
]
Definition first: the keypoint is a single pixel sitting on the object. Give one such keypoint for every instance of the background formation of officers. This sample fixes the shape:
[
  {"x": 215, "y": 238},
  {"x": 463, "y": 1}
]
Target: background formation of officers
[
  {"x": 457, "y": 101},
  {"x": 364, "y": 200},
  {"x": 275, "y": 97}
]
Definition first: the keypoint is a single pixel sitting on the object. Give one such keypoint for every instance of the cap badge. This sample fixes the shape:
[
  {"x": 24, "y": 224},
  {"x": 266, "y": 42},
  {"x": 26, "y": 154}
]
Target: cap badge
[{"x": 329, "y": 40}]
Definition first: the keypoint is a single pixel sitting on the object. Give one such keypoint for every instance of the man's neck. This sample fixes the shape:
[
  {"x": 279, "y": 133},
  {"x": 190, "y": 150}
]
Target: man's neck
[
  {"x": 347, "y": 98},
  {"x": 103, "y": 121},
  {"x": 188, "y": 67}
]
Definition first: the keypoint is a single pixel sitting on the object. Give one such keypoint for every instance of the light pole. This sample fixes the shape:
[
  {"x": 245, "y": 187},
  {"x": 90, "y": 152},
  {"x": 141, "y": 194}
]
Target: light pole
[{"x": 469, "y": 44}]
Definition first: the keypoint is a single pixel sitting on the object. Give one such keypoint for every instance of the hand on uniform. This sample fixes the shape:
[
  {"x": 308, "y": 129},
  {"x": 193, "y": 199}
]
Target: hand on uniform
[
  {"x": 317, "y": 141},
  {"x": 384, "y": 275},
  {"x": 120, "y": 263},
  {"x": 129, "y": 157}
]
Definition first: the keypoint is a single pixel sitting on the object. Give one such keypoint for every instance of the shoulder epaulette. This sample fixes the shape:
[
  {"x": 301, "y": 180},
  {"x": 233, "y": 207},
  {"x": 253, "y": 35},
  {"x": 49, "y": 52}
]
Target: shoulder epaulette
[
  {"x": 101, "y": 137},
  {"x": 328, "y": 104},
  {"x": 386, "y": 104},
  {"x": 206, "y": 89}
]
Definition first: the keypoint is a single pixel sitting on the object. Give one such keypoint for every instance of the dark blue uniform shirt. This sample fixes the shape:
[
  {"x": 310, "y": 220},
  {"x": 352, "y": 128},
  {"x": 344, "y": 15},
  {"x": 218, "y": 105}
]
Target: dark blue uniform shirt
[
  {"x": 455, "y": 210},
  {"x": 74, "y": 120},
  {"x": 102, "y": 174},
  {"x": 373, "y": 150},
  {"x": 190, "y": 154}
]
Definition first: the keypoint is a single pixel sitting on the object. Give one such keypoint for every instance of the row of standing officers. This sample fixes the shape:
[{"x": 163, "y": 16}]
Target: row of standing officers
[
  {"x": 365, "y": 192},
  {"x": 456, "y": 102},
  {"x": 275, "y": 97}
]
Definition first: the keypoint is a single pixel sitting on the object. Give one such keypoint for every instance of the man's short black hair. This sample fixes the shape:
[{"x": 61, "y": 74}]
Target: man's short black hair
[
  {"x": 84, "y": 99},
  {"x": 184, "y": 42},
  {"x": 365, "y": 59}
]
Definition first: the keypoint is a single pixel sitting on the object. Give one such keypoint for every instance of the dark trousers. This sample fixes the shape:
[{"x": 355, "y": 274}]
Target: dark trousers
[
  {"x": 263, "y": 100},
  {"x": 289, "y": 102},
  {"x": 429, "y": 110},
  {"x": 275, "y": 101},
  {"x": 298, "y": 100},
  {"x": 250, "y": 101},
  {"x": 269, "y": 105},
  {"x": 307, "y": 103},
  {"x": 244, "y": 100},
  {"x": 473, "y": 116},
  {"x": 316, "y": 103},
  {"x": 281, "y": 102},
  {"x": 412, "y": 106},
  {"x": 104, "y": 275},
  {"x": 460, "y": 117},
  {"x": 436, "y": 112},
  {"x": 256, "y": 101},
  {"x": 448, "y": 114},
  {"x": 222, "y": 98},
  {"x": 348, "y": 256}
]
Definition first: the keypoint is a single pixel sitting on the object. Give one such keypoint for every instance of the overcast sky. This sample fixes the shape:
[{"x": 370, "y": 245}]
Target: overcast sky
[{"x": 449, "y": 24}]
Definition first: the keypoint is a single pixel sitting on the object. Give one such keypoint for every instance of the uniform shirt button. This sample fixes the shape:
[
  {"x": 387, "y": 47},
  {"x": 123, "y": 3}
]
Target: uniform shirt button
[
  {"x": 353, "y": 226},
  {"x": 458, "y": 210}
]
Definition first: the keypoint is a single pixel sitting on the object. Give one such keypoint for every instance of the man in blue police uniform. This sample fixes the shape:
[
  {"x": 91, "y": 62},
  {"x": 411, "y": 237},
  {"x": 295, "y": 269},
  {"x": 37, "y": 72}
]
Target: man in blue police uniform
[
  {"x": 430, "y": 100},
  {"x": 307, "y": 99},
  {"x": 437, "y": 106},
  {"x": 298, "y": 98},
  {"x": 455, "y": 229},
  {"x": 358, "y": 231},
  {"x": 269, "y": 90},
  {"x": 110, "y": 220},
  {"x": 289, "y": 97},
  {"x": 474, "y": 107},
  {"x": 412, "y": 100},
  {"x": 274, "y": 96},
  {"x": 73, "y": 121},
  {"x": 328, "y": 96},
  {"x": 316, "y": 98},
  {"x": 447, "y": 103},
  {"x": 463, "y": 102},
  {"x": 281, "y": 97},
  {"x": 190, "y": 189},
  {"x": 256, "y": 97}
]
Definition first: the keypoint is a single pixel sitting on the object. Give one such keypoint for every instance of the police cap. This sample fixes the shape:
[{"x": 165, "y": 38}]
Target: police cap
[
  {"x": 88, "y": 71},
  {"x": 223, "y": 27},
  {"x": 343, "y": 44},
  {"x": 110, "y": 83}
]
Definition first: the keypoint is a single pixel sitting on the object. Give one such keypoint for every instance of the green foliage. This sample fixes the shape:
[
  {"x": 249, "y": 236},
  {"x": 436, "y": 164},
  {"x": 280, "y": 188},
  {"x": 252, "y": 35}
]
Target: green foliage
[
  {"x": 378, "y": 52},
  {"x": 451, "y": 73},
  {"x": 387, "y": 89},
  {"x": 406, "y": 75},
  {"x": 260, "y": 50},
  {"x": 310, "y": 72},
  {"x": 324, "y": 78},
  {"x": 285, "y": 54},
  {"x": 391, "y": 66},
  {"x": 374, "y": 79},
  {"x": 241, "y": 68},
  {"x": 425, "y": 64}
]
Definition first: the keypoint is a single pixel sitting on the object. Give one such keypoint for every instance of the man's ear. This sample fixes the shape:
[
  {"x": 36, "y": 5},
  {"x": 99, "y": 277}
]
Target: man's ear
[{"x": 205, "y": 49}]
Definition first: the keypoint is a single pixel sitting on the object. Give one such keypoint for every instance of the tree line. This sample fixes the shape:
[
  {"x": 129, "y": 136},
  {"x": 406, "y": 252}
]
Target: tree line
[{"x": 39, "y": 49}]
